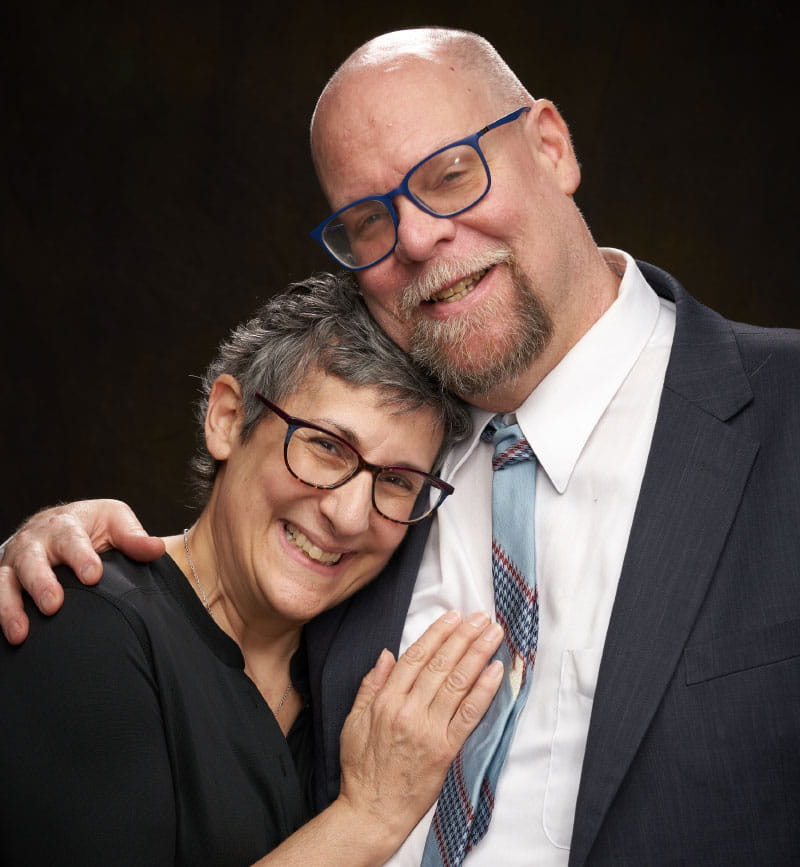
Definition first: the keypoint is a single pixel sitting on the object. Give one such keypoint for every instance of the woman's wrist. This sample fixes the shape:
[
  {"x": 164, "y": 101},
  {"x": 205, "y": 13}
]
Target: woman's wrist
[{"x": 369, "y": 835}]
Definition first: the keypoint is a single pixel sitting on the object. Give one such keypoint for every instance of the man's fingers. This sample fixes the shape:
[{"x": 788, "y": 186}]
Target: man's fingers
[
  {"x": 144, "y": 548},
  {"x": 104, "y": 524},
  {"x": 25, "y": 563},
  {"x": 48, "y": 539},
  {"x": 69, "y": 546},
  {"x": 13, "y": 619},
  {"x": 70, "y": 535},
  {"x": 121, "y": 529}
]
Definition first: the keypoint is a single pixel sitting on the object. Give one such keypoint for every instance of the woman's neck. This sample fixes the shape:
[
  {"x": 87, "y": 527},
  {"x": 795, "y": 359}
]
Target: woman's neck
[{"x": 267, "y": 642}]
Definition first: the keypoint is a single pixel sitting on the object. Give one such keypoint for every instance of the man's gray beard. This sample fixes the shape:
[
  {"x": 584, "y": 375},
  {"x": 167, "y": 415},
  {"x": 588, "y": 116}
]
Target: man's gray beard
[{"x": 443, "y": 346}]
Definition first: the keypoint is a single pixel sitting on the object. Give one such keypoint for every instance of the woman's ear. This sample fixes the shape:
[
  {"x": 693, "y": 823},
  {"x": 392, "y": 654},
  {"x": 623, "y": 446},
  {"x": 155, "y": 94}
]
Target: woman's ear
[
  {"x": 554, "y": 144},
  {"x": 223, "y": 417}
]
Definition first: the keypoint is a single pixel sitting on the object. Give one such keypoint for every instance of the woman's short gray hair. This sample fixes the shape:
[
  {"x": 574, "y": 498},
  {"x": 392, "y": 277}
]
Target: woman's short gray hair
[{"x": 319, "y": 324}]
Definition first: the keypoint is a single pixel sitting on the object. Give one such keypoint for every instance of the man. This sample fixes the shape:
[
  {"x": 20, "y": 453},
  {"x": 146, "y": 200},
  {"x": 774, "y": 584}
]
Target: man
[{"x": 663, "y": 722}]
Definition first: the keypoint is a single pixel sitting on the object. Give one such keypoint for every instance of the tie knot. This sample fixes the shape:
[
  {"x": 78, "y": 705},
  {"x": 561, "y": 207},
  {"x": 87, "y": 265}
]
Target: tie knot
[{"x": 510, "y": 445}]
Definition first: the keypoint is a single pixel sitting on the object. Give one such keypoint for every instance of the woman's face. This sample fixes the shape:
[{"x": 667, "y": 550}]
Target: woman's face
[{"x": 282, "y": 547}]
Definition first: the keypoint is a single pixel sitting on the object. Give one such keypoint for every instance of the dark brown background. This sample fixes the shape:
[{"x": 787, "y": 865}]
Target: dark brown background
[{"x": 157, "y": 183}]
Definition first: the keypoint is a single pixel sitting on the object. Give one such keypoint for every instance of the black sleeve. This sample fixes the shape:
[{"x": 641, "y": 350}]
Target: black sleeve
[{"x": 84, "y": 770}]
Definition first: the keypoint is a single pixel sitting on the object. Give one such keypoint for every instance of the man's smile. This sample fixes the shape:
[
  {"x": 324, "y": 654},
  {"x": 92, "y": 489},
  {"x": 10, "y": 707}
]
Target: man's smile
[{"x": 458, "y": 290}]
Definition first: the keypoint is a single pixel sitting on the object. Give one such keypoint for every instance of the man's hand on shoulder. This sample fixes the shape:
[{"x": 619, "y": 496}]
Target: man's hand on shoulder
[{"x": 69, "y": 534}]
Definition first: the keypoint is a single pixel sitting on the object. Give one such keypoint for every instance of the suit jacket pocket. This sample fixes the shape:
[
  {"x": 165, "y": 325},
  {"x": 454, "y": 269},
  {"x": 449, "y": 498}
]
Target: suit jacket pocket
[{"x": 741, "y": 651}]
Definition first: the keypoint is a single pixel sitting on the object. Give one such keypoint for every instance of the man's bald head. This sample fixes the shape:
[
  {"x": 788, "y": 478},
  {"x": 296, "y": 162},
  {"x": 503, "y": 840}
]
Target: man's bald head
[{"x": 467, "y": 54}]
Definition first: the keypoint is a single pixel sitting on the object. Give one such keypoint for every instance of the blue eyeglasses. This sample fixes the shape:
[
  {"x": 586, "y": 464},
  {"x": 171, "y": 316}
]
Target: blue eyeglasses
[{"x": 447, "y": 182}]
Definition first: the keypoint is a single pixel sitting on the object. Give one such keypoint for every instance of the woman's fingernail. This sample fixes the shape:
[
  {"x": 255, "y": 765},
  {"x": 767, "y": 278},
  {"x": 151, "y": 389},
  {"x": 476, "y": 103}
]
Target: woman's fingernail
[
  {"x": 492, "y": 632},
  {"x": 479, "y": 618}
]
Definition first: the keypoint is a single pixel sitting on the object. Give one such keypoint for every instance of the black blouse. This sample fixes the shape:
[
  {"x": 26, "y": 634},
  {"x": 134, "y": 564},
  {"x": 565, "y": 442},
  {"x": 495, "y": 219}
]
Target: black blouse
[{"x": 130, "y": 734}]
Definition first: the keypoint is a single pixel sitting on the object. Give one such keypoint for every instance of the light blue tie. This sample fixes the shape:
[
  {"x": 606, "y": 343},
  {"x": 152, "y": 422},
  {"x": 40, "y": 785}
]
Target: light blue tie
[{"x": 467, "y": 798}]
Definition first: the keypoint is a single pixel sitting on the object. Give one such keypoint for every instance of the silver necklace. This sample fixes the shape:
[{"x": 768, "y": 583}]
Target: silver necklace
[
  {"x": 288, "y": 689},
  {"x": 194, "y": 571},
  {"x": 282, "y": 702}
]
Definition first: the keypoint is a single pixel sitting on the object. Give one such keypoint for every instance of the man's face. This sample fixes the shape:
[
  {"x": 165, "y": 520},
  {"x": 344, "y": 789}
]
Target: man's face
[{"x": 473, "y": 296}]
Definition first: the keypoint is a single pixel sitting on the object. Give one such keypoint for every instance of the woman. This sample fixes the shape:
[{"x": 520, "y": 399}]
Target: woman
[{"x": 162, "y": 715}]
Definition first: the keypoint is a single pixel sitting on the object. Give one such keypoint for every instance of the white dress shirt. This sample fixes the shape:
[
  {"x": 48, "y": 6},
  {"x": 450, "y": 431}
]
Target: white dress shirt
[{"x": 590, "y": 423}]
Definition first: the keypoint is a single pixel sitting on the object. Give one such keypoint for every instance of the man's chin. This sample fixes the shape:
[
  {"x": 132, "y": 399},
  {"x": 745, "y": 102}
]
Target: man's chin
[
  {"x": 473, "y": 354},
  {"x": 467, "y": 365}
]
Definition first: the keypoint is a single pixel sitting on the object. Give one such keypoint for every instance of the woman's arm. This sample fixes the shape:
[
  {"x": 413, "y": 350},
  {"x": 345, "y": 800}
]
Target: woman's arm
[{"x": 407, "y": 724}]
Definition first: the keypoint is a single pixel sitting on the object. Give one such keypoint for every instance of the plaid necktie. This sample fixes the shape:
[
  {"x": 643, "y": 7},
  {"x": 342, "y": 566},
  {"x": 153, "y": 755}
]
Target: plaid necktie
[{"x": 465, "y": 804}]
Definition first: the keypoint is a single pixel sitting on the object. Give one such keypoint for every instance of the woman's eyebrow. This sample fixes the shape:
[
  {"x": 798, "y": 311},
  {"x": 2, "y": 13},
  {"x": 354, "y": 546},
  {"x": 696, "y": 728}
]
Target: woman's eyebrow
[
  {"x": 352, "y": 437},
  {"x": 341, "y": 430}
]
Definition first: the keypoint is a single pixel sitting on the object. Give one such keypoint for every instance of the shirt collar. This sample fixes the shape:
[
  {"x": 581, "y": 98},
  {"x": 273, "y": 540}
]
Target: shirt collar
[{"x": 560, "y": 414}]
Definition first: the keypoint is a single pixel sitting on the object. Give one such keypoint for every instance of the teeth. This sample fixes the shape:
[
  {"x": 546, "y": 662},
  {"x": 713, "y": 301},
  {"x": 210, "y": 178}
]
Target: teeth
[
  {"x": 300, "y": 541},
  {"x": 460, "y": 289}
]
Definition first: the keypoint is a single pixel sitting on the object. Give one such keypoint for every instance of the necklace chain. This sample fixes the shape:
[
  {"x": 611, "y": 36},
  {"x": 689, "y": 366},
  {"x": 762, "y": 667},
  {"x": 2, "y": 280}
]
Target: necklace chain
[
  {"x": 282, "y": 702},
  {"x": 194, "y": 571},
  {"x": 203, "y": 596}
]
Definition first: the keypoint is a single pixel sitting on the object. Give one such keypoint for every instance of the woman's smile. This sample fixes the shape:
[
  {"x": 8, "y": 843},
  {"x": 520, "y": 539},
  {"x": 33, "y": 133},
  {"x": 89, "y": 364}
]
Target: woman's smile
[{"x": 298, "y": 538}]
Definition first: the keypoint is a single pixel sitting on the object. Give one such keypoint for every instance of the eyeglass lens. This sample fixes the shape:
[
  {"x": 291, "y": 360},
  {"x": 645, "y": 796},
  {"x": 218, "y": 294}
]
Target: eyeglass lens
[
  {"x": 446, "y": 183},
  {"x": 400, "y": 494}
]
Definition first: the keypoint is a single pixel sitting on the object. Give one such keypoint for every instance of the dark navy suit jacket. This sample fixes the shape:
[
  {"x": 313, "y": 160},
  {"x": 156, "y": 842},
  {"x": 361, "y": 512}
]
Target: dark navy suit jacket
[{"x": 693, "y": 752}]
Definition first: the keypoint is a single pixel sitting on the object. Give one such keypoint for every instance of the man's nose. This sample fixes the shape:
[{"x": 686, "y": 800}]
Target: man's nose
[
  {"x": 349, "y": 507},
  {"x": 419, "y": 233}
]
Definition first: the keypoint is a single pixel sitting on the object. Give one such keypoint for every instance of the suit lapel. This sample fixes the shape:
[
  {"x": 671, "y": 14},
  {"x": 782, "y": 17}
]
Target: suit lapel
[
  {"x": 343, "y": 645},
  {"x": 693, "y": 483}
]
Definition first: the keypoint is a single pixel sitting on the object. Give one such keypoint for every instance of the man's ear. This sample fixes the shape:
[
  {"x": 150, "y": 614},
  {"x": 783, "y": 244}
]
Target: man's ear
[
  {"x": 554, "y": 144},
  {"x": 223, "y": 417}
]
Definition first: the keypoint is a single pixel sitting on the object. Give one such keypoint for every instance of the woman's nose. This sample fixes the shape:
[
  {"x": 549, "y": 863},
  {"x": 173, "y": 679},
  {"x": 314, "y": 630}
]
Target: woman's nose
[{"x": 349, "y": 507}]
